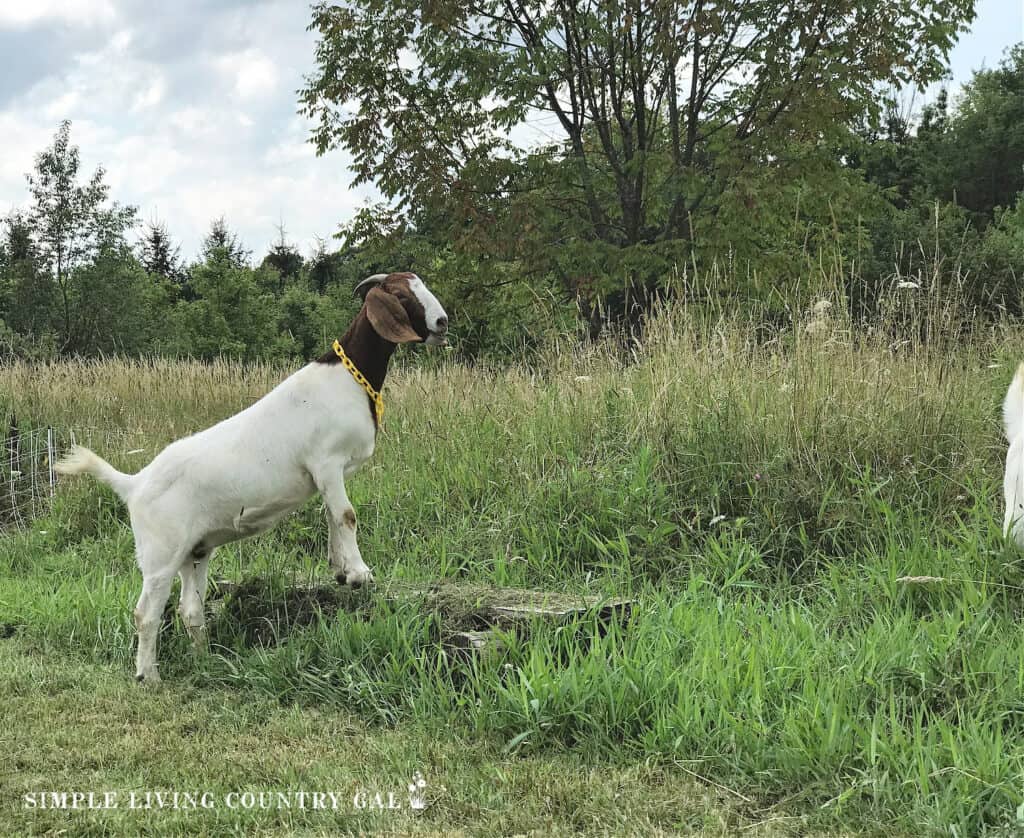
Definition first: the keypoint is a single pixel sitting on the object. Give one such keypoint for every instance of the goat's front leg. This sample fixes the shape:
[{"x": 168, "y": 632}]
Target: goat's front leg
[{"x": 343, "y": 552}]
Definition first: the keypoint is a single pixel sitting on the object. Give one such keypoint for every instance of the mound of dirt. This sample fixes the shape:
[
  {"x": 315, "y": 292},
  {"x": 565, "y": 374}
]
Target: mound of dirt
[{"x": 265, "y": 611}]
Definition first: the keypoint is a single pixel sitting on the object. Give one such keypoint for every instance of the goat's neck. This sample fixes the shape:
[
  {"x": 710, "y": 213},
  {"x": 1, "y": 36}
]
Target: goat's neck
[{"x": 367, "y": 350}]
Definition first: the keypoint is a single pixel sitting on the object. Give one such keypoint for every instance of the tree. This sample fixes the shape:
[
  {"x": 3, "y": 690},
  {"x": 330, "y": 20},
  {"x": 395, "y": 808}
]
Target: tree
[
  {"x": 27, "y": 294},
  {"x": 969, "y": 151},
  {"x": 231, "y": 313},
  {"x": 71, "y": 222},
  {"x": 119, "y": 308},
  {"x": 284, "y": 258},
  {"x": 222, "y": 240},
  {"x": 17, "y": 245},
  {"x": 324, "y": 268},
  {"x": 986, "y": 160},
  {"x": 661, "y": 109},
  {"x": 159, "y": 255}
]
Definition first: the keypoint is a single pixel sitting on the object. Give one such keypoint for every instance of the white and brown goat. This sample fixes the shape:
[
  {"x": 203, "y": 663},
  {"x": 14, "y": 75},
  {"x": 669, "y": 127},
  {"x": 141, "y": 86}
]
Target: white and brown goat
[{"x": 245, "y": 474}]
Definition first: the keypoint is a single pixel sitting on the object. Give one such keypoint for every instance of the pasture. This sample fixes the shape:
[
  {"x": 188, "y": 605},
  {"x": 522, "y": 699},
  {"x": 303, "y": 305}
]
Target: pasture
[{"x": 761, "y": 498}]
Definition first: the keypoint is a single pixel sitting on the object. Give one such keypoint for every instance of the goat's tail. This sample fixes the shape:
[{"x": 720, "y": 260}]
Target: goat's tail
[
  {"x": 82, "y": 460},
  {"x": 1013, "y": 406}
]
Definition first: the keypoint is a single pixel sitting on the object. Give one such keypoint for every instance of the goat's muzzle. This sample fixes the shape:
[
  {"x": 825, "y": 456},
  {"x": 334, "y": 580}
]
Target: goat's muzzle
[{"x": 438, "y": 336}]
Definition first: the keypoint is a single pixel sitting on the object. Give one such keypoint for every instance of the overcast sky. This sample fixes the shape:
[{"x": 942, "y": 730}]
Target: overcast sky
[{"x": 191, "y": 108}]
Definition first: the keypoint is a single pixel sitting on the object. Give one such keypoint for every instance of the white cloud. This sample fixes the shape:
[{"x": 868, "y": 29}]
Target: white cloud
[
  {"x": 65, "y": 103},
  {"x": 151, "y": 95},
  {"x": 121, "y": 41},
  {"x": 190, "y": 120},
  {"x": 25, "y": 136},
  {"x": 18, "y": 14},
  {"x": 292, "y": 146},
  {"x": 252, "y": 72},
  {"x": 255, "y": 202}
]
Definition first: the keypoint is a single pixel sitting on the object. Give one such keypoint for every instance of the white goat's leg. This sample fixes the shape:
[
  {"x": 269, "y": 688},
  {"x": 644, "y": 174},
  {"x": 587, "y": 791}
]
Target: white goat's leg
[
  {"x": 345, "y": 559},
  {"x": 193, "y": 596},
  {"x": 156, "y": 588}
]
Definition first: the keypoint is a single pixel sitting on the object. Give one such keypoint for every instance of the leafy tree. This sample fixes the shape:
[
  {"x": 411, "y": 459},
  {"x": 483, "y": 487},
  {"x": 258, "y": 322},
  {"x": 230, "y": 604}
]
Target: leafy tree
[
  {"x": 17, "y": 245},
  {"x": 970, "y": 151},
  {"x": 71, "y": 222},
  {"x": 1001, "y": 258},
  {"x": 661, "y": 109},
  {"x": 307, "y": 321},
  {"x": 986, "y": 160},
  {"x": 949, "y": 181},
  {"x": 118, "y": 306}
]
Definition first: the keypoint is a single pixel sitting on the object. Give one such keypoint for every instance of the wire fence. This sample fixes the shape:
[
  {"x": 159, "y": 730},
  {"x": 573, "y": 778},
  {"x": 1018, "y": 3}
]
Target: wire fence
[{"x": 28, "y": 481}]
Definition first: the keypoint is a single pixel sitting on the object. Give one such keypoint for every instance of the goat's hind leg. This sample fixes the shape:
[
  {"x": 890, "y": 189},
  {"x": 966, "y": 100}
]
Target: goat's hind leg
[
  {"x": 156, "y": 588},
  {"x": 159, "y": 565},
  {"x": 191, "y": 605}
]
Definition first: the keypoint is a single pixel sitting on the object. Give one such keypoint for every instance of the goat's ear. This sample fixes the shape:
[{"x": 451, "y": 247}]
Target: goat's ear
[{"x": 389, "y": 318}]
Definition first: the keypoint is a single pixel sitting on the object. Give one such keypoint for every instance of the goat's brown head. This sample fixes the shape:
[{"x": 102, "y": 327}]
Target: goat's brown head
[{"x": 401, "y": 309}]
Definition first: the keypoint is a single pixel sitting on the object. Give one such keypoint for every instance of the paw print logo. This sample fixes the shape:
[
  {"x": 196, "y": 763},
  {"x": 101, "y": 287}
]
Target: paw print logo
[{"x": 418, "y": 792}]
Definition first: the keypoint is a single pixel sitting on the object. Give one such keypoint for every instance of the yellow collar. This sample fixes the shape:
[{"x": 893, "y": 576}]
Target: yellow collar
[{"x": 375, "y": 397}]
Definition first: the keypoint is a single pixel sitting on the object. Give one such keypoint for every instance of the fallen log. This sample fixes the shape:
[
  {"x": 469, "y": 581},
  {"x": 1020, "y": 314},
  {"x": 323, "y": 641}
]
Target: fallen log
[{"x": 474, "y": 619}]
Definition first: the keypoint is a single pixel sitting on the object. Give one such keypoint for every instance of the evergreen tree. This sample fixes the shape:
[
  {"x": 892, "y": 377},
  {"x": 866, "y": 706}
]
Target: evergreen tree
[
  {"x": 221, "y": 240},
  {"x": 159, "y": 255},
  {"x": 324, "y": 267},
  {"x": 284, "y": 258},
  {"x": 28, "y": 299}
]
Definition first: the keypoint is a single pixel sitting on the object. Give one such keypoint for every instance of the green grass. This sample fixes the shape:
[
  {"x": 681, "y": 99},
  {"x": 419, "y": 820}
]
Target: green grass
[
  {"x": 83, "y": 726},
  {"x": 760, "y": 502}
]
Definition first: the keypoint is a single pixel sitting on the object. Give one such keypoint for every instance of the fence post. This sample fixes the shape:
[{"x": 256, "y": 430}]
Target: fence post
[
  {"x": 13, "y": 442},
  {"x": 49, "y": 457}
]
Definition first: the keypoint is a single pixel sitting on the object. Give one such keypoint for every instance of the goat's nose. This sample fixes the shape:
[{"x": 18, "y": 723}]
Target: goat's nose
[{"x": 442, "y": 324}]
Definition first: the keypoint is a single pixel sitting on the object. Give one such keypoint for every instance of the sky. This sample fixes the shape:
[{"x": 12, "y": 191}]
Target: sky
[{"x": 191, "y": 108}]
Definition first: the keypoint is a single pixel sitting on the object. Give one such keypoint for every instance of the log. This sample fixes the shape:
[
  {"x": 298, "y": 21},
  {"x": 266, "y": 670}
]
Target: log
[
  {"x": 604, "y": 610},
  {"x": 475, "y": 619},
  {"x": 466, "y": 644}
]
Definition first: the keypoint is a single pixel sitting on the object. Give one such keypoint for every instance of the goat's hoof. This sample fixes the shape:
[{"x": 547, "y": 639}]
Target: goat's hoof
[{"x": 359, "y": 578}]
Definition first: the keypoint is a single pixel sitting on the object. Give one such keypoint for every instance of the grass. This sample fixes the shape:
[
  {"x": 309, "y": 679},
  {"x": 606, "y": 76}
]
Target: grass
[
  {"x": 760, "y": 498},
  {"x": 193, "y": 737}
]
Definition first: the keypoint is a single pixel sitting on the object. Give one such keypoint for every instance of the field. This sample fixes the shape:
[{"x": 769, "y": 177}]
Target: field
[{"x": 761, "y": 497}]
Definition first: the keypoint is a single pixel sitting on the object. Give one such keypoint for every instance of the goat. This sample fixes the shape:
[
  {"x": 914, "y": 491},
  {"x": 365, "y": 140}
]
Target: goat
[
  {"x": 244, "y": 474},
  {"x": 1013, "y": 480}
]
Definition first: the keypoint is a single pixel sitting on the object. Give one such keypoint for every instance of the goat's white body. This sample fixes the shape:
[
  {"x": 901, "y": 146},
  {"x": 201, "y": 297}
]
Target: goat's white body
[
  {"x": 1013, "y": 480},
  {"x": 244, "y": 474},
  {"x": 236, "y": 479}
]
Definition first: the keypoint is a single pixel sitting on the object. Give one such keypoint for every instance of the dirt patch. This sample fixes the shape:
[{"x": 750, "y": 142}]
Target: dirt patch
[{"x": 265, "y": 611}]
